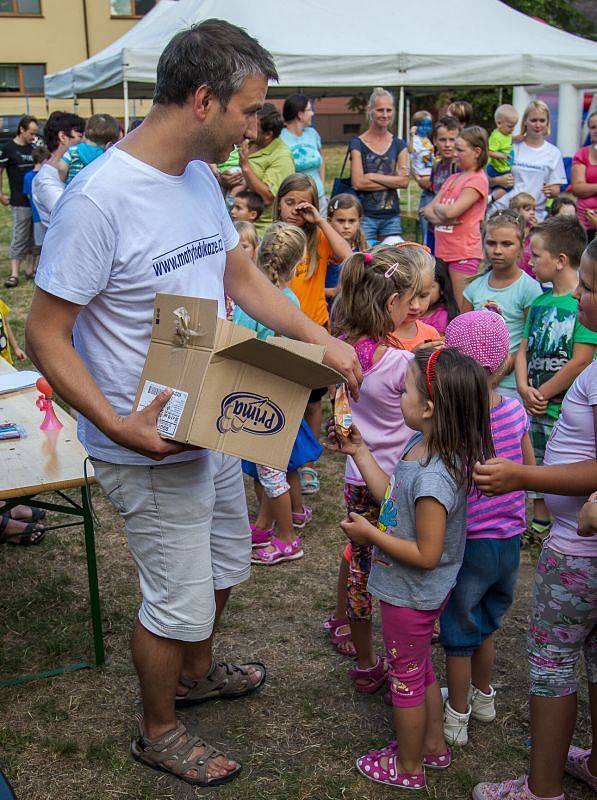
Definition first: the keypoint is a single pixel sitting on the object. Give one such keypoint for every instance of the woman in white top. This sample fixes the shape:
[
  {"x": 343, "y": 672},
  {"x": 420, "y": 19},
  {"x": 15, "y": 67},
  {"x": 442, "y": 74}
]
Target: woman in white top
[{"x": 538, "y": 165}]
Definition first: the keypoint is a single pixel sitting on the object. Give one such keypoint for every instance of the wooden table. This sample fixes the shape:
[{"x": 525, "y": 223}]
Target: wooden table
[{"x": 49, "y": 461}]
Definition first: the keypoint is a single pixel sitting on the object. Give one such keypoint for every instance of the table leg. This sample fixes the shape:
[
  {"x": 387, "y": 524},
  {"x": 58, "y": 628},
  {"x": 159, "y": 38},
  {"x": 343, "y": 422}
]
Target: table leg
[{"x": 94, "y": 597}]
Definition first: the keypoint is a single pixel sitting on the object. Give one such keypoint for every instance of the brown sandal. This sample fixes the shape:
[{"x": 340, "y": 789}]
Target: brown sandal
[
  {"x": 170, "y": 746},
  {"x": 11, "y": 282},
  {"x": 224, "y": 681}
]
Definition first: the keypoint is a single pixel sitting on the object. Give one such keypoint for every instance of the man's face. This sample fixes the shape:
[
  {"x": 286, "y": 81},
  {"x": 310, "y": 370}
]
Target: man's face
[
  {"x": 227, "y": 127},
  {"x": 445, "y": 142},
  {"x": 30, "y": 133}
]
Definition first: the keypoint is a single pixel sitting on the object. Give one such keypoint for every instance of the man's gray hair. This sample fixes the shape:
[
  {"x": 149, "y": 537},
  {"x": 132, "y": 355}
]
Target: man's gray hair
[{"x": 213, "y": 53}]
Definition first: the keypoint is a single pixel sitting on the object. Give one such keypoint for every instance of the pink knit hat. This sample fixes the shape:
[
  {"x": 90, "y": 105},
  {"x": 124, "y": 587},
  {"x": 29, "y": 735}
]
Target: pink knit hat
[{"x": 482, "y": 335}]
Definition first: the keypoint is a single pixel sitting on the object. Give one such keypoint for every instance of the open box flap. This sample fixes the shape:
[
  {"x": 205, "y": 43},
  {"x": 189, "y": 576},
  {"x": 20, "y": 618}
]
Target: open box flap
[
  {"x": 188, "y": 322},
  {"x": 283, "y": 362}
]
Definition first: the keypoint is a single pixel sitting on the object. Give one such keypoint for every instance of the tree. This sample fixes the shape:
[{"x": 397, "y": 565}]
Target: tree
[{"x": 562, "y": 14}]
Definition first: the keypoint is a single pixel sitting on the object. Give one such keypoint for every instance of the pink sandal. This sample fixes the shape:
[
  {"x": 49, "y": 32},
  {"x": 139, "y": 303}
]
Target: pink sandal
[
  {"x": 281, "y": 551},
  {"x": 341, "y": 642},
  {"x": 259, "y": 537},
  {"x": 371, "y": 767},
  {"x": 375, "y": 676},
  {"x": 302, "y": 518},
  {"x": 430, "y": 761}
]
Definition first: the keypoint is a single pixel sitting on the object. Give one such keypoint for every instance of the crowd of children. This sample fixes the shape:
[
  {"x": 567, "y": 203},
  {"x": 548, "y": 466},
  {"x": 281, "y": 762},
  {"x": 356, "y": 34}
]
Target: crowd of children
[
  {"x": 475, "y": 352},
  {"x": 476, "y": 349}
]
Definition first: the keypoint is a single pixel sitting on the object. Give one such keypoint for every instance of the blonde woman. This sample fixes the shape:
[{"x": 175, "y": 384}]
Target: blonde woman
[
  {"x": 379, "y": 166},
  {"x": 538, "y": 165}
]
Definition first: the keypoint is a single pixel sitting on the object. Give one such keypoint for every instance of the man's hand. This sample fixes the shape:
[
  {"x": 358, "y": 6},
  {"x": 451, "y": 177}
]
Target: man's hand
[
  {"x": 357, "y": 528},
  {"x": 19, "y": 354},
  {"x": 342, "y": 357},
  {"x": 231, "y": 179},
  {"x": 587, "y": 519},
  {"x": 497, "y": 476},
  {"x": 139, "y": 431},
  {"x": 533, "y": 400}
]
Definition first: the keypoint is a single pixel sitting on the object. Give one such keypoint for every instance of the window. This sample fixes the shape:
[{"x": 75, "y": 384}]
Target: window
[
  {"x": 130, "y": 8},
  {"x": 22, "y": 78},
  {"x": 21, "y": 7}
]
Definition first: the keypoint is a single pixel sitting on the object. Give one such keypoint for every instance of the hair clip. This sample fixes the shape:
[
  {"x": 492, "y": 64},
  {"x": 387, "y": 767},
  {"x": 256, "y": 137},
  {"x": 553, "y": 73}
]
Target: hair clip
[
  {"x": 391, "y": 270},
  {"x": 368, "y": 258},
  {"x": 430, "y": 371}
]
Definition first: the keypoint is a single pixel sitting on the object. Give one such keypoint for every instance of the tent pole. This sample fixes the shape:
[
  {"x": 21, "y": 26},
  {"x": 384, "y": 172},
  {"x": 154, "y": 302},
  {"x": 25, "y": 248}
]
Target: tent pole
[
  {"x": 569, "y": 119},
  {"x": 125, "y": 92},
  {"x": 401, "y": 114},
  {"x": 520, "y": 100}
]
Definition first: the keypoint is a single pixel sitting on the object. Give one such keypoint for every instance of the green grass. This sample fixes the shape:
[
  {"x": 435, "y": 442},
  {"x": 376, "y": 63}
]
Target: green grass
[{"x": 67, "y": 738}]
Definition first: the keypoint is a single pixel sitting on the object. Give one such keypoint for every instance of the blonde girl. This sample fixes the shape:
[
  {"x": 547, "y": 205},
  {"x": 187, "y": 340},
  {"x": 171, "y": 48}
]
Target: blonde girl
[
  {"x": 297, "y": 203},
  {"x": 249, "y": 241},
  {"x": 375, "y": 293},
  {"x": 282, "y": 248}
]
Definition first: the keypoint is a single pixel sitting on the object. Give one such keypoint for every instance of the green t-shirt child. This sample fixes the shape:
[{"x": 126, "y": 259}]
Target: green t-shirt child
[{"x": 552, "y": 329}]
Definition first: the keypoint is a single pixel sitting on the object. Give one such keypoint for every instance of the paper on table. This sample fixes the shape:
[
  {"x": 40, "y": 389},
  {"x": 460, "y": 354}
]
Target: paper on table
[{"x": 13, "y": 381}]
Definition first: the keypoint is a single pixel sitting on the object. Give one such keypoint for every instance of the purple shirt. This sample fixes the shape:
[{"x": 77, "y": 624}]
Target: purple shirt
[
  {"x": 572, "y": 439},
  {"x": 377, "y": 413},
  {"x": 503, "y": 516}
]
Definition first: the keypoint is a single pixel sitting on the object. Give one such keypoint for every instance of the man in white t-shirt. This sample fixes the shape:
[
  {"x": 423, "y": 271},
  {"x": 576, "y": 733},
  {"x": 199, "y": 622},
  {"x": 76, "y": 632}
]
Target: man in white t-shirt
[
  {"x": 146, "y": 217},
  {"x": 60, "y": 132}
]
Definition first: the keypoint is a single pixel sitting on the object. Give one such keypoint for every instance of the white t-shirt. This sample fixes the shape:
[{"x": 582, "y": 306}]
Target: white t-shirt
[
  {"x": 534, "y": 166},
  {"x": 122, "y": 232},
  {"x": 421, "y": 158},
  {"x": 47, "y": 191}
]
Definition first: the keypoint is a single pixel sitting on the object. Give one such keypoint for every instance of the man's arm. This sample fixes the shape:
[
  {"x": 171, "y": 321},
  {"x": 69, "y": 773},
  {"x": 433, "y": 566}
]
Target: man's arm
[
  {"x": 48, "y": 333},
  {"x": 254, "y": 293}
]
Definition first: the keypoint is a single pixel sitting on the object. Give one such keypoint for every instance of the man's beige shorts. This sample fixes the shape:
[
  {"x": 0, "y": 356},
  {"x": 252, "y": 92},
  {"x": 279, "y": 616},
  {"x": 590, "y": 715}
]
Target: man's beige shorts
[{"x": 188, "y": 531}]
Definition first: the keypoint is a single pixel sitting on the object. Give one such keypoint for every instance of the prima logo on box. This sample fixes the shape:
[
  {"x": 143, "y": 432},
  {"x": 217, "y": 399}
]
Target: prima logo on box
[{"x": 253, "y": 413}]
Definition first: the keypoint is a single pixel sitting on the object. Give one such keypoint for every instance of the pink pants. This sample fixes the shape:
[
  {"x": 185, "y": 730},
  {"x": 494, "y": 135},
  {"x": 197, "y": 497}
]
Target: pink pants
[
  {"x": 407, "y": 636},
  {"x": 468, "y": 266}
]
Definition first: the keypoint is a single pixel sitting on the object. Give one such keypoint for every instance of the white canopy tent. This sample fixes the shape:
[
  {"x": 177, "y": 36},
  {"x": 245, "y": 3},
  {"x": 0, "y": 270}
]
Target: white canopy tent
[{"x": 341, "y": 46}]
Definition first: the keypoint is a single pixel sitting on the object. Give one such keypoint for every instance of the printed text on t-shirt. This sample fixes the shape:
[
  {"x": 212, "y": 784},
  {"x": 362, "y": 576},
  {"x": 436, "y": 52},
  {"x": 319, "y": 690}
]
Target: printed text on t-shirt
[{"x": 187, "y": 253}]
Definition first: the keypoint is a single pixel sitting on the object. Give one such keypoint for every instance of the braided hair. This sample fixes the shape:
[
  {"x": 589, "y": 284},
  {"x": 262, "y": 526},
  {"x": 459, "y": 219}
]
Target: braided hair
[{"x": 281, "y": 250}]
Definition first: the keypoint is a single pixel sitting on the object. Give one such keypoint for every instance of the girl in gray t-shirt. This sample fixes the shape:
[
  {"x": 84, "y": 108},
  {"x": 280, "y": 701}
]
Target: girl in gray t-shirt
[{"x": 418, "y": 546}]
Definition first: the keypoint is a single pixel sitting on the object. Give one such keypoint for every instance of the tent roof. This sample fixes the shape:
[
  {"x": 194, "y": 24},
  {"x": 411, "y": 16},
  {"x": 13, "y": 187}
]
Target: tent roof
[{"x": 318, "y": 45}]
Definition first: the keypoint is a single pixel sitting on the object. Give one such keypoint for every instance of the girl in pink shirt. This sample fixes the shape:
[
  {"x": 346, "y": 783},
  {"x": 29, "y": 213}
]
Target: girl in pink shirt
[
  {"x": 375, "y": 294},
  {"x": 458, "y": 209}
]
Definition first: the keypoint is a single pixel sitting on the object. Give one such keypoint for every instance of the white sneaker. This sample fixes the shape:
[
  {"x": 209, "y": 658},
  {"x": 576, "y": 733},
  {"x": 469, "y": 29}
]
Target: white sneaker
[
  {"x": 455, "y": 725},
  {"x": 482, "y": 705}
]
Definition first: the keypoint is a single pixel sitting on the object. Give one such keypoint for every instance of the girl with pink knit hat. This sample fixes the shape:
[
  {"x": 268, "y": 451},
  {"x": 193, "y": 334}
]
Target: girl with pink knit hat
[{"x": 484, "y": 588}]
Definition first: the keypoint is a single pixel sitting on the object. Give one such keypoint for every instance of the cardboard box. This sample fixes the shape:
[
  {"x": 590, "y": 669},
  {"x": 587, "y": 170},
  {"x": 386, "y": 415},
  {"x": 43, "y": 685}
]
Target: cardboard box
[{"x": 232, "y": 392}]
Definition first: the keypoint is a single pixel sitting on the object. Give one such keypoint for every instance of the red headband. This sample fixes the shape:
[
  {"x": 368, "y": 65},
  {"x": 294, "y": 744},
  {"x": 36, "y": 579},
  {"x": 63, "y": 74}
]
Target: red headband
[{"x": 430, "y": 371}]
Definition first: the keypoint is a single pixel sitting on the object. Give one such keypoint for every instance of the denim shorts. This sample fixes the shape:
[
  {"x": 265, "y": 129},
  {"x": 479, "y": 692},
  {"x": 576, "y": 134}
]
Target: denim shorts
[
  {"x": 188, "y": 532},
  {"x": 483, "y": 593},
  {"x": 375, "y": 229}
]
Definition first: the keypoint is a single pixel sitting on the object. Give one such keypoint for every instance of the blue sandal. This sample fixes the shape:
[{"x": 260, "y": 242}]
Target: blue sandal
[{"x": 309, "y": 480}]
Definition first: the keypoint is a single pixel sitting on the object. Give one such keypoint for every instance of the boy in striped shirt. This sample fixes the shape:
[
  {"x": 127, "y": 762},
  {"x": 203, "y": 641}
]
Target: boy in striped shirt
[{"x": 484, "y": 588}]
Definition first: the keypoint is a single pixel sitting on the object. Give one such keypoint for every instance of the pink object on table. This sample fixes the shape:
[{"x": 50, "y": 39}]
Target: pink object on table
[{"x": 44, "y": 403}]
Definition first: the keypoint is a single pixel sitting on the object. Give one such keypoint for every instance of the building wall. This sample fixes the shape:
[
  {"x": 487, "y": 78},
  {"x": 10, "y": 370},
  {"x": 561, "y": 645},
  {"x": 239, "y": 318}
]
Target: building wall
[{"x": 57, "y": 38}]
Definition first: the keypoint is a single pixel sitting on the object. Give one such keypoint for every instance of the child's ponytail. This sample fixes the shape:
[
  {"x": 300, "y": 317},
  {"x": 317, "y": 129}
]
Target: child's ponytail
[
  {"x": 367, "y": 283},
  {"x": 461, "y": 429}
]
